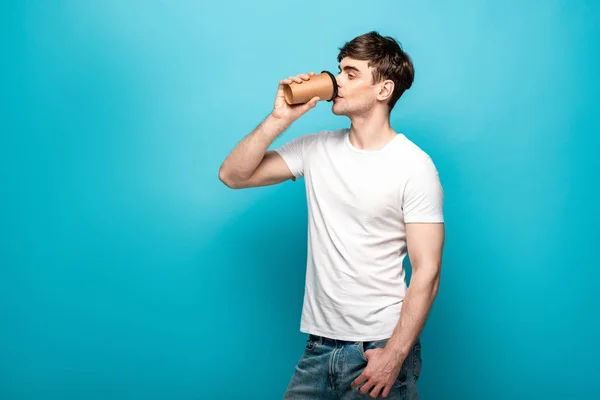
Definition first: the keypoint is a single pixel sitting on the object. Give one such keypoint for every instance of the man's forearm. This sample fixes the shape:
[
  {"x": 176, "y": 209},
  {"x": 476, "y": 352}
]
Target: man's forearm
[
  {"x": 241, "y": 163},
  {"x": 415, "y": 309}
]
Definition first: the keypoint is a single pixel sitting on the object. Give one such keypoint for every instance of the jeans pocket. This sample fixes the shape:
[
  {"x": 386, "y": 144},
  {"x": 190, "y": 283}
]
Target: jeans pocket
[
  {"x": 361, "y": 349},
  {"x": 374, "y": 344},
  {"x": 401, "y": 378}
]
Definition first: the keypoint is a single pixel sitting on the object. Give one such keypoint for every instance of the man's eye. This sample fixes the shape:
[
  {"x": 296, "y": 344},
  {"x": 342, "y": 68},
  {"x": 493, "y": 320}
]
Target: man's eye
[{"x": 351, "y": 76}]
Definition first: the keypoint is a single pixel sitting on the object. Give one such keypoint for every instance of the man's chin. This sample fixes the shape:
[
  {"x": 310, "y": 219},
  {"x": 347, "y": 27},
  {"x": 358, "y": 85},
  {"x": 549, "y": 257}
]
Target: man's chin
[{"x": 337, "y": 111}]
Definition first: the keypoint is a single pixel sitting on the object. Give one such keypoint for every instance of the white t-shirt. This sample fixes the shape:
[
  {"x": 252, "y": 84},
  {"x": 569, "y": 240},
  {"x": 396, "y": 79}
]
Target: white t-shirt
[{"x": 358, "y": 204}]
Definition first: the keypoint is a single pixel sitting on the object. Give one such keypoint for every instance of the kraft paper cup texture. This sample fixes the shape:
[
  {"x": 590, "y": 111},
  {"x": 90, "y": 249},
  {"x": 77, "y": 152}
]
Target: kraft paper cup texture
[{"x": 323, "y": 85}]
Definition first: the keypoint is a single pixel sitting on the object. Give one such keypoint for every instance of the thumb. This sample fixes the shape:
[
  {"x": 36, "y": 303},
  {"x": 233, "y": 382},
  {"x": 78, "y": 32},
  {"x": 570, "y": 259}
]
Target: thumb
[
  {"x": 311, "y": 103},
  {"x": 368, "y": 353}
]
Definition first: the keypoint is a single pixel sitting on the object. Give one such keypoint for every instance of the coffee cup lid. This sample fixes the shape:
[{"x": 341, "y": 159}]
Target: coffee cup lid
[{"x": 335, "y": 86}]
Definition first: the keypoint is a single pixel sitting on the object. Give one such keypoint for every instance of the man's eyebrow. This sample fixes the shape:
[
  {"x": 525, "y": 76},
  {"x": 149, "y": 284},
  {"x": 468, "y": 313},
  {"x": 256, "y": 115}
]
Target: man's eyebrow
[{"x": 349, "y": 67}]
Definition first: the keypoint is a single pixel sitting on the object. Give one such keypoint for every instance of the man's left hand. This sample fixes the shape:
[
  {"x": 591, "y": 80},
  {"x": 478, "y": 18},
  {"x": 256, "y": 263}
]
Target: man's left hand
[{"x": 383, "y": 367}]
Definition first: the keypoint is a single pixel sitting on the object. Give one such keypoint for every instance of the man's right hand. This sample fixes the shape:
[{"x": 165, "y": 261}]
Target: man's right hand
[
  {"x": 250, "y": 164},
  {"x": 289, "y": 113}
]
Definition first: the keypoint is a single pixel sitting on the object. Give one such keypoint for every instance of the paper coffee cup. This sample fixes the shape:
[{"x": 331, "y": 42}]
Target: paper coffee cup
[{"x": 323, "y": 85}]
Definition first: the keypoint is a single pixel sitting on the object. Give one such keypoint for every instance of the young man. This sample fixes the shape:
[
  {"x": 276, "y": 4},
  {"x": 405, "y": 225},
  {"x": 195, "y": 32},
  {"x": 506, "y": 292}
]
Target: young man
[{"x": 373, "y": 197}]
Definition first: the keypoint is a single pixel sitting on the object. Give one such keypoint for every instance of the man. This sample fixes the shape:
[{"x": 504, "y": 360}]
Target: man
[{"x": 373, "y": 197}]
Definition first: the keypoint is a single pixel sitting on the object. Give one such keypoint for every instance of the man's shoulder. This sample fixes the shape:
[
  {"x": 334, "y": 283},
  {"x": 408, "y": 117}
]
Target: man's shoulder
[
  {"x": 332, "y": 133},
  {"x": 412, "y": 149},
  {"x": 306, "y": 142},
  {"x": 414, "y": 156},
  {"x": 324, "y": 136}
]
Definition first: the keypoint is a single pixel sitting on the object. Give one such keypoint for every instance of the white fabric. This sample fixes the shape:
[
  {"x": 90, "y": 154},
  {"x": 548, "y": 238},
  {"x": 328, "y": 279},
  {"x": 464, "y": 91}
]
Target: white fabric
[{"x": 358, "y": 204}]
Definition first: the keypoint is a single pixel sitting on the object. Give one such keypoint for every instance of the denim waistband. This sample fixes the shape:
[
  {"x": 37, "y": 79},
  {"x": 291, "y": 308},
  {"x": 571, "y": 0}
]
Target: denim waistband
[{"x": 334, "y": 342}]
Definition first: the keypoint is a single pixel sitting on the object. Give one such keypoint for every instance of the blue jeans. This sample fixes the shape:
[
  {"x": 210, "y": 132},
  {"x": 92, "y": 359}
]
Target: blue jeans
[{"x": 328, "y": 367}]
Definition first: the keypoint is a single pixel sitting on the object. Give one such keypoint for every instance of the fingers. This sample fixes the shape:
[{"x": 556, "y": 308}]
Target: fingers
[
  {"x": 386, "y": 392},
  {"x": 297, "y": 79},
  {"x": 302, "y": 77},
  {"x": 375, "y": 392},
  {"x": 310, "y": 104},
  {"x": 358, "y": 381},
  {"x": 366, "y": 388},
  {"x": 280, "y": 90}
]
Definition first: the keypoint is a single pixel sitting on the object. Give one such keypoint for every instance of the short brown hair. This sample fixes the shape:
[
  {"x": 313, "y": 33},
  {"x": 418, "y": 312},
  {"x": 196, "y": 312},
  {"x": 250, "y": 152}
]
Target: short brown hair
[{"x": 387, "y": 58}]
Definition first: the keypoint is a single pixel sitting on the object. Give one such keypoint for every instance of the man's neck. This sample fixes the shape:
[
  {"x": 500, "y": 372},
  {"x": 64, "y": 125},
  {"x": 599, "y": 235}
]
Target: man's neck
[{"x": 371, "y": 132}]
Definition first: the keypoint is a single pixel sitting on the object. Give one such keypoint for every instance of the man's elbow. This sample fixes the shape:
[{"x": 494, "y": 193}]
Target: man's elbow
[
  {"x": 429, "y": 275},
  {"x": 436, "y": 283},
  {"x": 228, "y": 180}
]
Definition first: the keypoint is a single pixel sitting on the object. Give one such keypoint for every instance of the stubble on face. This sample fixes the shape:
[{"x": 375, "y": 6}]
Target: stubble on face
[{"x": 356, "y": 90}]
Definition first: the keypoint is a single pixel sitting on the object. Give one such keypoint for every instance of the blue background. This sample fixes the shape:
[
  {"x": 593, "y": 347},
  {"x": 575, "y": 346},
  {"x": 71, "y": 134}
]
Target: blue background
[{"x": 129, "y": 271}]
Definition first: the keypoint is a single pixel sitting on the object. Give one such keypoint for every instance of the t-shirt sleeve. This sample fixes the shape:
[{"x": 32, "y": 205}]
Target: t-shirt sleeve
[
  {"x": 294, "y": 153},
  {"x": 423, "y": 195}
]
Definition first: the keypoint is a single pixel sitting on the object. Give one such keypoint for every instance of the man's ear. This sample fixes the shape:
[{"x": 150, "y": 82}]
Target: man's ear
[{"x": 386, "y": 89}]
